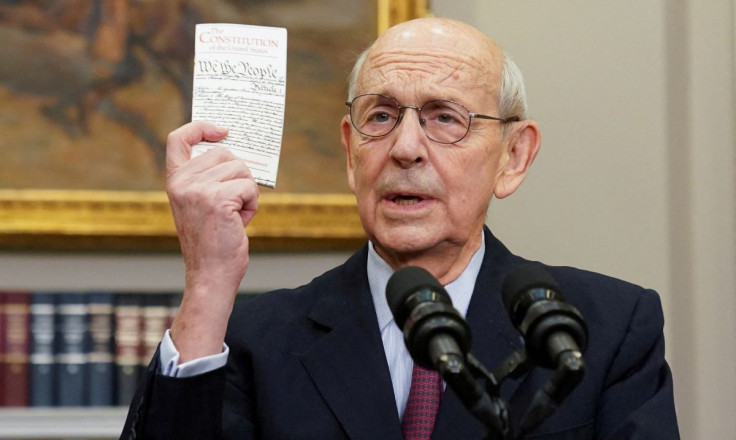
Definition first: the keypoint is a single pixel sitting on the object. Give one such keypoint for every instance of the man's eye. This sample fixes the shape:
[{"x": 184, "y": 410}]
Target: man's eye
[
  {"x": 379, "y": 117},
  {"x": 441, "y": 114},
  {"x": 446, "y": 118}
]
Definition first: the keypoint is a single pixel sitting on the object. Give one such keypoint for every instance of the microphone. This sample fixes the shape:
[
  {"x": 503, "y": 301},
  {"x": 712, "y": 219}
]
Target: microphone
[
  {"x": 434, "y": 332},
  {"x": 550, "y": 326},
  {"x": 438, "y": 338},
  {"x": 555, "y": 335}
]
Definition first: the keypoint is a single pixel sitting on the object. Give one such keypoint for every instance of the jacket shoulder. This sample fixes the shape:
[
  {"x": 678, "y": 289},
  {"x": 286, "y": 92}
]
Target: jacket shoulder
[{"x": 279, "y": 307}]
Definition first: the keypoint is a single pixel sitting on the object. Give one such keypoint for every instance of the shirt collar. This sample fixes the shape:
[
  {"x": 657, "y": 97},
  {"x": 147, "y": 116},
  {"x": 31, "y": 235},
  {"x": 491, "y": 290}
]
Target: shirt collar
[{"x": 460, "y": 290}]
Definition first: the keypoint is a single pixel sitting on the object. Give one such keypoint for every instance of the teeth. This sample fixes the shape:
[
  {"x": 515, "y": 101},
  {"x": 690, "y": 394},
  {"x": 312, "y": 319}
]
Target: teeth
[{"x": 406, "y": 200}]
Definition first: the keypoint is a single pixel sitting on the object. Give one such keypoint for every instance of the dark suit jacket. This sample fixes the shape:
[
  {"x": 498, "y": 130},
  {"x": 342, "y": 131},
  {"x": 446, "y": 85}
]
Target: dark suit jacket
[{"x": 308, "y": 363}]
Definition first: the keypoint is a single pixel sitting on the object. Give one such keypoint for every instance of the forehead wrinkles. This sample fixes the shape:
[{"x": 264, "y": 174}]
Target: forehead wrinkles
[{"x": 427, "y": 68}]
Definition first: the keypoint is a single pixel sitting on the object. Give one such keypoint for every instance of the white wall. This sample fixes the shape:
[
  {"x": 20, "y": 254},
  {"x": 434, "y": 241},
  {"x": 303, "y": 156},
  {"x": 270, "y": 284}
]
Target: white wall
[{"x": 636, "y": 173}]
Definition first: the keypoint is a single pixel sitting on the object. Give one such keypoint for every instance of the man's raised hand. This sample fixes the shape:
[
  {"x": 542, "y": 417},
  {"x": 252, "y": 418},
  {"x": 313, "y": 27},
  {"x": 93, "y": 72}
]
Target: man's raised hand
[{"x": 213, "y": 197}]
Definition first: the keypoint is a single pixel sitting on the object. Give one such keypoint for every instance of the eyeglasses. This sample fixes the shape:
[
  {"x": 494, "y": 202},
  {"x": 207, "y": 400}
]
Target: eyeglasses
[{"x": 445, "y": 122}]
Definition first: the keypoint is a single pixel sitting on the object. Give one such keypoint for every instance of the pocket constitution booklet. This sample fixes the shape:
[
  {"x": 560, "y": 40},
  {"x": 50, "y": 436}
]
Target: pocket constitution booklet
[{"x": 240, "y": 84}]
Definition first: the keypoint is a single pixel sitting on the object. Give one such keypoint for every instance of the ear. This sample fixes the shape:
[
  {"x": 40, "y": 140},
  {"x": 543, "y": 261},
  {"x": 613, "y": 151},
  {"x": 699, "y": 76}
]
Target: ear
[
  {"x": 345, "y": 130},
  {"x": 521, "y": 147}
]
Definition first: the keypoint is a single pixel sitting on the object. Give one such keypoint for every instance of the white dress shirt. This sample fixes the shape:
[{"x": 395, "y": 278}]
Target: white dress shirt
[{"x": 400, "y": 363}]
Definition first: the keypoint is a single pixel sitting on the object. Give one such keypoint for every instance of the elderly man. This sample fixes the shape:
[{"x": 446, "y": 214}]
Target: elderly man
[{"x": 436, "y": 128}]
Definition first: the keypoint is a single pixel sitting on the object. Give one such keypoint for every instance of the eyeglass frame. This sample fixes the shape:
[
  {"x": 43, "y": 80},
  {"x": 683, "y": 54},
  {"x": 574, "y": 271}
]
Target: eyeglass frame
[{"x": 401, "y": 109}]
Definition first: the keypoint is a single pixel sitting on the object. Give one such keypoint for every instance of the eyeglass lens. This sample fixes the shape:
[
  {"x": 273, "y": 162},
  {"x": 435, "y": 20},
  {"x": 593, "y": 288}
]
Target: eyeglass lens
[{"x": 377, "y": 115}]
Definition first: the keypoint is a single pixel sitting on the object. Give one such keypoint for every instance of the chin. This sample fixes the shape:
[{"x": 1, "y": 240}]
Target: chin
[{"x": 404, "y": 238}]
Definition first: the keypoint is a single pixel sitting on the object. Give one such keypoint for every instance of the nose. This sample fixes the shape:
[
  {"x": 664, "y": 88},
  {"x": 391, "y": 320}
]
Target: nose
[{"x": 410, "y": 142}]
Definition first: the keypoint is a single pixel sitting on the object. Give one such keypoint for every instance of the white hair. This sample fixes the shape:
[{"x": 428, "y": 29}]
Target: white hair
[
  {"x": 512, "y": 94},
  {"x": 353, "y": 78}
]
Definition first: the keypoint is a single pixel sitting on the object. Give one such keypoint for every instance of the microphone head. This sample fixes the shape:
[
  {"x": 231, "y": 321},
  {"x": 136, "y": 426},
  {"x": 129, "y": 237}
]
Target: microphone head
[
  {"x": 423, "y": 311},
  {"x": 537, "y": 308},
  {"x": 407, "y": 281},
  {"x": 526, "y": 284}
]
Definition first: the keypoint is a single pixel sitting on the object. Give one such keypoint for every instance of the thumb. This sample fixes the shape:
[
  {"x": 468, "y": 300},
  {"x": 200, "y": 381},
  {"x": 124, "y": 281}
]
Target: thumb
[{"x": 180, "y": 141}]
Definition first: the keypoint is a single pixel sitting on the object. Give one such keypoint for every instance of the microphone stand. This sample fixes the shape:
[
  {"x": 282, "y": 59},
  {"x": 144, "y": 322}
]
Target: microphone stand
[
  {"x": 566, "y": 377},
  {"x": 513, "y": 366},
  {"x": 487, "y": 405},
  {"x": 484, "y": 404},
  {"x": 464, "y": 374},
  {"x": 568, "y": 374}
]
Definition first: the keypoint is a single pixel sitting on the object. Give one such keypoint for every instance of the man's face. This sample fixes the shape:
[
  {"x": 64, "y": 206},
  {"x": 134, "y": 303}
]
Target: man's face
[{"x": 416, "y": 195}]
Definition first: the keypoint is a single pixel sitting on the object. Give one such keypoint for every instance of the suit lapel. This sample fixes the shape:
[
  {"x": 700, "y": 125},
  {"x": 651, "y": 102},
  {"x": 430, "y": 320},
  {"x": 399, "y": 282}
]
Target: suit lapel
[
  {"x": 493, "y": 339},
  {"x": 347, "y": 363},
  {"x": 494, "y": 336}
]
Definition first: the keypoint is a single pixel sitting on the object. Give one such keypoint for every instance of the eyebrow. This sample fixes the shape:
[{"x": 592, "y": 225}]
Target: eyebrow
[{"x": 429, "y": 98}]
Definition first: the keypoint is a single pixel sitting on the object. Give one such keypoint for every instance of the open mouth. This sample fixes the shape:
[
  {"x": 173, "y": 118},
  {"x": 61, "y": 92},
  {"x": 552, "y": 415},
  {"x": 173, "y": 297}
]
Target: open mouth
[{"x": 406, "y": 200}]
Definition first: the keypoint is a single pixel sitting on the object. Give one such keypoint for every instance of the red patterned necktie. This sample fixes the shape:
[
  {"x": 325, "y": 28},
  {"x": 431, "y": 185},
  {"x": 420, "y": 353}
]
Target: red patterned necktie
[{"x": 421, "y": 407}]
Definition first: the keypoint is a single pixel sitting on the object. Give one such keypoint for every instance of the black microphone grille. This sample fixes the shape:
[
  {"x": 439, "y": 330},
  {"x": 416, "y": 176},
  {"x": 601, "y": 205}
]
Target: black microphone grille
[
  {"x": 407, "y": 281},
  {"x": 522, "y": 279}
]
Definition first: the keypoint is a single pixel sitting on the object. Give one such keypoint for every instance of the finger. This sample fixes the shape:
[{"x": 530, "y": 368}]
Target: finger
[
  {"x": 244, "y": 192},
  {"x": 217, "y": 165},
  {"x": 211, "y": 159},
  {"x": 180, "y": 141},
  {"x": 200, "y": 177},
  {"x": 224, "y": 171}
]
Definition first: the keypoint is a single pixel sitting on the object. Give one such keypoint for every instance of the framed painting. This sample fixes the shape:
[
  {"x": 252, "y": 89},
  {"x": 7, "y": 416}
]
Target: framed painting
[{"x": 89, "y": 90}]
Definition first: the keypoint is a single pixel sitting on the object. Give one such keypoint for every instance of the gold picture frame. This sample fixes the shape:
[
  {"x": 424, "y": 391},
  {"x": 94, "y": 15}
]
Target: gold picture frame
[{"x": 82, "y": 220}]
